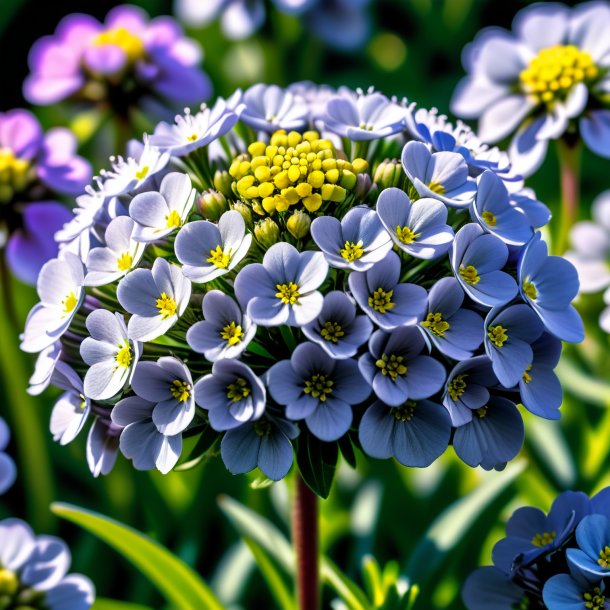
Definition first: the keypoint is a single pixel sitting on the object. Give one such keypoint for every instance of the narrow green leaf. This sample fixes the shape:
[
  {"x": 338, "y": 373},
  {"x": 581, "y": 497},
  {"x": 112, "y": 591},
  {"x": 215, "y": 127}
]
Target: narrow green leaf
[
  {"x": 317, "y": 463},
  {"x": 577, "y": 382},
  {"x": 180, "y": 584},
  {"x": 113, "y": 604}
]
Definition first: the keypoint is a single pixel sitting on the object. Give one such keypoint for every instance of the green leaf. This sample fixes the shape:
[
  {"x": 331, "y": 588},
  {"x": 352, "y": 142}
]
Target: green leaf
[
  {"x": 180, "y": 584},
  {"x": 347, "y": 450},
  {"x": 317, "y": 463},
  {"x": 113, "y": 604}
]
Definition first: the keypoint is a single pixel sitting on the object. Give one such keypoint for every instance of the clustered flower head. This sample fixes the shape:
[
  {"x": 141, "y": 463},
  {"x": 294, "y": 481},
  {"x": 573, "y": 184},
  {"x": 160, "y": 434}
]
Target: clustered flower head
[
  {"x": 261, "y": 275},
  {"x": 548, "y": 78},
  {"x": 554, "y": 561}
]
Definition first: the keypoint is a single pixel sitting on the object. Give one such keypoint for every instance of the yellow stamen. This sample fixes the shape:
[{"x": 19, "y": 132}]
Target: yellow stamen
[
  {"x": 69, "y": 302},
  {"x": 435, "y": 323},
  {"x": 527, "y": 378},
  {"x": 498, "y": 335},
  {"x": 332, "y": 332},
  {"x": 181, "y": 390},
  {"x": 604, "y": 557},
  {"x": 381, "y": 300},
  {"x": 173, "y": 220},
  {"x": 543, "y": 539},
  {"x": 238, "y": 390},
  {"x": 489, "y": 218},
  {"x": 124, "y": 356},
  {"x": 470, "y": 275},
  {"x": 405, "y": 412},
  {"x": 530, "y": 290},
  {"x": 124, "y": 261},
  {"x": 482, "y": 412},
  {"x": 319, "y": 387},
  {"x": 457, "y": 386},
  {"x": 142, "y": 173},
  {"x": 391, "y": 366},
  {"x": 436, "y": 187},
  {"x": 166, "y": 305},
  {"x": 232, "y": 333},
  {"x": 288, "y": 293},
  {"x": 131, "y": 44},
  {"x": 352, "y": 252},
  {"x": 219, "y": 258},
  {"x": 406, "y": 235}
]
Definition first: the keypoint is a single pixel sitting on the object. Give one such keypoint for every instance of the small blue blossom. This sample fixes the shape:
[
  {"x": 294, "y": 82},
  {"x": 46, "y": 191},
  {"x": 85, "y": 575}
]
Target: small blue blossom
[
  {"x": 567, "y": 592},
  {"x": 8, "y": 470},
  {"x": 592, "y": 558},
  {"x": 489, "y": 588},
  {"x": 383, "y": 298},
  {"x": 269, "y": 108},
  {"x": 315, "y": 387},
  {"x": 538, "y": 214}
]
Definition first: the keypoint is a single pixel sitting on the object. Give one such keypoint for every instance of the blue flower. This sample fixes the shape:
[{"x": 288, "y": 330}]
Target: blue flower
[
  {"x": 383, "y": 298},
  {"x": 508, "y": 336},
  {"x": 441, "y": 175},
  {"x": 592, "y": 558},
  {"x": 526, "y": 202},
  {"x": 315, "y": 387},
  {"x": 232, "y": 394},
  {"x": 264, "y": 443},
  {"x": 397, "y": 371},
  {"x": 225, "y": 331},
  {"x": 571, "y": 592},
  {"x": 477, "y": 259},
  {"x": 283, "y": 289},
  {"x": 489, "y": 588},
  {"x": 8, "y": 470},
  {"x": 418, "y": 228},
  {"x": 493, "y": 211},
  {"x": 269, "y": 108},
  {"x": 455, "y": 332},
  {"x": 415, "y": 433},
  {"x": 357, "y": 242},
  {"x": 548, "y": 284},
  {"x": 493, "y": 436},
  {"x": 338, "y": 330}
]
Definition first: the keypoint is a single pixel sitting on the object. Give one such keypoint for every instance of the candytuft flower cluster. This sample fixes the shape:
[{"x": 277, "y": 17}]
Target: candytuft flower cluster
[{"x": 260, "y": 277}]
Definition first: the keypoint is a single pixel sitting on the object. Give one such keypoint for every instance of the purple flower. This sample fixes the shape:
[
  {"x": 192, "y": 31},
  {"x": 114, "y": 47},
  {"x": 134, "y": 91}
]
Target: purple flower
[
  {"x": 418, "y": 228},
  {"x": 415, "y": 433},
  {"x": 8, "y": 470},
  {"x": 232, "y": 394},
  {"x": 477, "y": 259},
  {"x": 315, "y": 387},
  {"x": 269, "y": 108},
  {"x": 397, "y": 371},
  {"x": 338, "y": 330},
  {"x": 125, "y": 59},
  {"x": 387, "y": 302},
  {"x": 283, "y": 289},
  {"x": 357, "y": 242},
  {"x": 225, "y": 331}
]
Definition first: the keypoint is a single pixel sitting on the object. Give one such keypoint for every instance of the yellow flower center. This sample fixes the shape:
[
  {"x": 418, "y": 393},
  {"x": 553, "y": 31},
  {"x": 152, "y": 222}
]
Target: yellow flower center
[
  {"x": 9, "y": 583},
  {"x": 192, "y": 137},
  {"x": 288, "y": 293},
  {"x": 173, "y": 220},
  {"x": 435, "y": 323},
  {"x": 530, "y": 290},
  {"x": 181, "y": 390},
  {"x": 391, "y": 366},
  {"x": 352, "y": 252},
  {"x": 406, "y": 235},
  {"x": 526, "y": 375},
  {"x": 594, "y": 600},
  {"x": 320, "y": 387},
  {"x": 381, "y": 300},
  {"x": 482, "y": 412},
  {"x": 232, "y": 333},
  {"x": 555, "y": 70},
  {"x": 497, "y": 335},
  {"x": 123, "y": 357},
  {"x": 219, "y": 258},
  {"x": 142, "y": 173},
  {"x": 69, "y": 302},
  {"x": 124, "y": 261},
  {"x": 543, "y": 539},
  {"x": 436, "y": 187},
  {"x": 457, "y": 386},
  {"x": 122, "y": 37},
  {"x": 404, "y": 412},
  {"x": 15, "y": 174},
  {"x": 238, "y": 390},
  {"x": 489, "y": 218},
  {"x": 469, "y": 274},
  {"x": 263, "y": 427},
  {"x": 166, "y": 305},
  {"x": 332, "y": 332}
]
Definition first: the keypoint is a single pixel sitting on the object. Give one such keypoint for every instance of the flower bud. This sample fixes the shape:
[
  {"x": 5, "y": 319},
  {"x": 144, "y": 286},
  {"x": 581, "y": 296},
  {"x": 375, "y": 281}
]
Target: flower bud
[
  {"x": 389, "y": 174},
  {"x": 245, "y": 211},
  {"x": 364, "y": 185},
  {"x": 222, "y": 183},
  {"x": 212, "y": 204},
  {"x": 298, "y": 224},
  {"x": 267, "y": 232}
]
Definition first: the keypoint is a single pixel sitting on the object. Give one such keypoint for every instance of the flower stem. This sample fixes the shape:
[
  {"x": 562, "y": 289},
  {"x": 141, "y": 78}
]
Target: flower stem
[
  {"x": 305, "y": 535},
  {"x": 568, "y": 151}
]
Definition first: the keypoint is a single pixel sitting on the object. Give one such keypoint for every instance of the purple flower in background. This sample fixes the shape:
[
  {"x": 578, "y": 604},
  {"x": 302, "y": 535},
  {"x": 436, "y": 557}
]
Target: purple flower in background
[
  {"x": 128, "y": 60},
  {"x": 39, "y": 565},
  {"x": 35, "y": 168},
  {"x": 8, "y": 470},
  {"x": 269, "y": 108},
  {"x": 315, "y": 387}
]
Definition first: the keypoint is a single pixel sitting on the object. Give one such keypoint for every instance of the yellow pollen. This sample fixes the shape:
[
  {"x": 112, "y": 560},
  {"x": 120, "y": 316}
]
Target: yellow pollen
[
  {"x": 381, "y": 300},
  {"x": 319, "y": 387},
  {"x": 181, "y": 390},
  {"x": 391, "y": 366},
  {"x": 288, "y": 293},
  {"x": 497, "y": 335},
  {"x": 457, "y": 386},
  {"x": 166, "y": 305},
  {"x": 232, "y": 333},
  {"x": 238, "y": 390},
  {"x": 9, "y": 583},
  {"x": 15, "y": 174},
  {"x": 124, "y": 261},
  {"x": 173, "y": 220},
  {"x": 219, "y": 258},
  {"x": 530, "y": 290},
  {"x": 489, "y": 218},
  {"x": 192, "y": 137},
  {"x": 526, "y": 375},
  {"x": 604, "y": 557},
  {"x": 594, "y": 599},
  {"x": 470, "y": 275},
  {"x": 69, "y": 302},
  {"x": 352, "y": 252},
  {"x": 142, "y": 173},
  {"x": 543, "y": 539},
  {"x": 123, "y": 357},
  {"x": 406, "y": 235},
  {"x": 332, "y": 332},
  {"x": 435, "y": 324},
  {"x": 482, "y": 412},
  {"x": 554, "y": 71},
  {"x": 436, "y": 187},
  {"x": 123, "y": 38},
  {"x": 405, "y": 412}
]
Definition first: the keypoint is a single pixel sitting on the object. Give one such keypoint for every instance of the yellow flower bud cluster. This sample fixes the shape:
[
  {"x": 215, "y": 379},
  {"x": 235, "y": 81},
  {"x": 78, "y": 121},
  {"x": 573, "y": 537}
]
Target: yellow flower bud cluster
[{"x": 293, "y": 169}]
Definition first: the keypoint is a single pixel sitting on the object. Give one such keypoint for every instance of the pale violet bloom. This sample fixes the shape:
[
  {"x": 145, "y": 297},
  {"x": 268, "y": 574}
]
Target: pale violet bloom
[
  {"x": 338, "y": 330},
  {"x": 383, "y": 298},
  {"x": 102, "y": 446},
  {"x": 442, "y": 175},
  {"x": 315, "y": 95},
  {"x": 157, "y": 214},
  {"x": 418, "y": 228},
  {"x": 121, "y": 254},
  {"x": 61, "y": 292},
  {"x": 232, "y": 394},
  {"x": 269, "y": 108},
  {"x": 319, "y": 389},
  {"x": 225, "y": 331},
  {"x": 525, "y": 200},
  {"x": 110, "y": 354},
  {"x": 192, "y": 131},
  {"x": 284, "y": 288},
  {"x": 156, "y": 299},
  {"x": 370, "y": 116},
  {"x": 140, "y": 439},
  {"x": 8, "y": 470},
  {"x": 43, "y": 369},
  {"x": 72, "y": 409},
  {"x": 208, "y": 250},
  {"x": 356, "y": 242},
  {"x": 168, "y": 384}
]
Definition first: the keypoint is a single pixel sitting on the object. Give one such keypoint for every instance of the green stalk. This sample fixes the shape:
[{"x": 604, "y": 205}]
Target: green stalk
[{"x": 568, "y": 151}]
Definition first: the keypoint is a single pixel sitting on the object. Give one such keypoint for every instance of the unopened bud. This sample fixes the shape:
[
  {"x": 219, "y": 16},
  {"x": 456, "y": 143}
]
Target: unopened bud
[
  {"x": 364, "y": 186},
  {"x": 244, "y": 210},
  {"x": 222, "y": 182},
  {"x": 298, "y": 224},
  {"x": 389, "y": 174},
  {"x": 267, "y": 233},
  {"x": 212, "y": 205}
]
